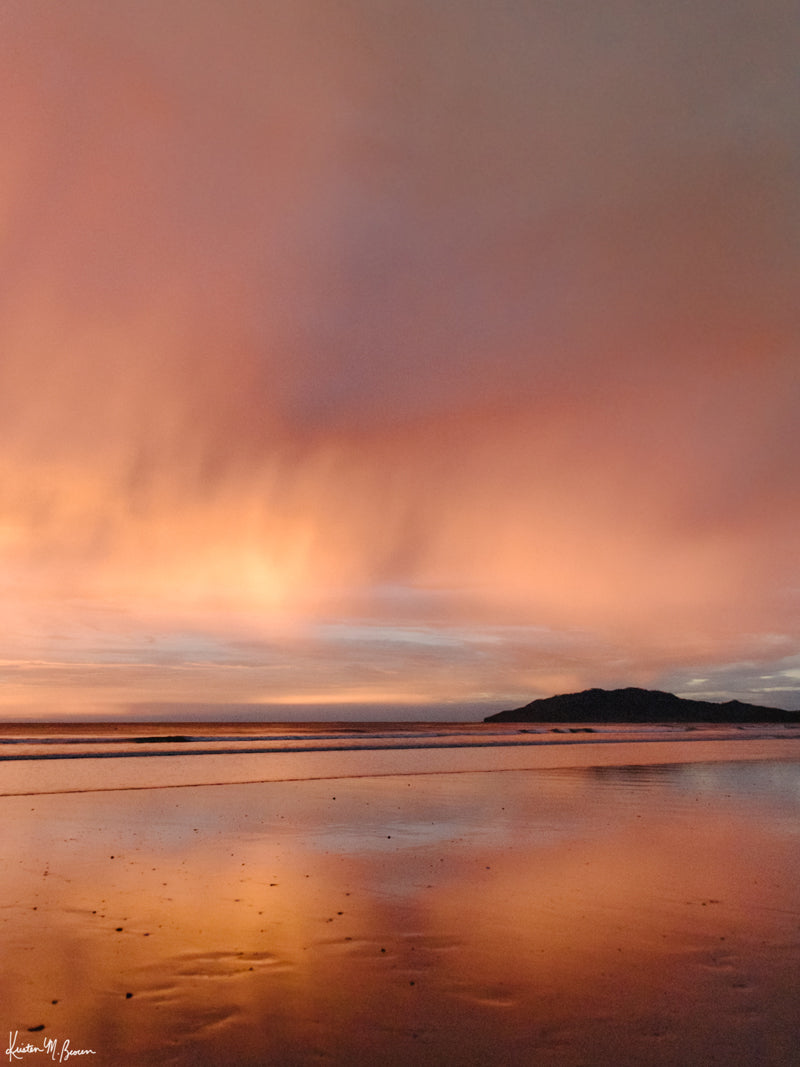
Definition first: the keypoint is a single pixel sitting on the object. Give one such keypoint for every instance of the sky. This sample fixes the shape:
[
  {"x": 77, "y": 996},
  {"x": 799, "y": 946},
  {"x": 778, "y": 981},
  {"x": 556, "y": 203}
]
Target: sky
[{"x": 396, "y": 358}]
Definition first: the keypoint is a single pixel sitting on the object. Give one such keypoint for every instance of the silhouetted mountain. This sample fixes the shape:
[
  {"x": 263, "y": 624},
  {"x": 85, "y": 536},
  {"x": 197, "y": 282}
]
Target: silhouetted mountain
[{"x": 639, "y": 705}]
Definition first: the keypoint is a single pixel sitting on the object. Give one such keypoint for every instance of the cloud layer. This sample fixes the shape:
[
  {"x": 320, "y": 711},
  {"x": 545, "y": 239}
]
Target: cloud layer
[{"x": 398, "y": 352}]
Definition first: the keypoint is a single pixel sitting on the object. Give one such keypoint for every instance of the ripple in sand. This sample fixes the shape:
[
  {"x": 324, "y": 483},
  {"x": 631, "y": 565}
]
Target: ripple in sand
[
  {"x": 223, "y": 964},
  {"x": 171, "y": 976}
]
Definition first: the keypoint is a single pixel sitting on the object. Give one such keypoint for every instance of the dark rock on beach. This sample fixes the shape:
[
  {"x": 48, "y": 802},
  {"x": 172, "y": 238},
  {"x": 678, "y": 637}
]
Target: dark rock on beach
[{"x": 639, "y": 705}]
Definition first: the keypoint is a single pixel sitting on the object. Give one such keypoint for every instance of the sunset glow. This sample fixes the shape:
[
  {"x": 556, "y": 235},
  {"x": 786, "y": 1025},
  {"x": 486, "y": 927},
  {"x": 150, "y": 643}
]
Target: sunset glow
[{"x": 423, "y": 356}]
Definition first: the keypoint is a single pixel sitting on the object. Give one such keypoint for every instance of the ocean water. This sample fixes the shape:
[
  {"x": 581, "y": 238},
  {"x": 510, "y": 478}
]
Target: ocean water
[{"x": 69, "y": 757}]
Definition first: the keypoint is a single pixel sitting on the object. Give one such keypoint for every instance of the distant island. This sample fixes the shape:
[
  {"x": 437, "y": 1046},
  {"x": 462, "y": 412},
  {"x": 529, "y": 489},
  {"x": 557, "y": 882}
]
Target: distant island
[{"x": 639, "y": 705}]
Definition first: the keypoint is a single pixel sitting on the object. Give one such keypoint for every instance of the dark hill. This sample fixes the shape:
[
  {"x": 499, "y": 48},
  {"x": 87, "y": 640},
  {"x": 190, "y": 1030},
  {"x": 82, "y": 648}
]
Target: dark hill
[{"x": 639, "y": 705}]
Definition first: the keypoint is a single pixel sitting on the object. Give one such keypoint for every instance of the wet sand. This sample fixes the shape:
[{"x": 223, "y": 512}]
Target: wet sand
[{"x": 626, "y": 911}]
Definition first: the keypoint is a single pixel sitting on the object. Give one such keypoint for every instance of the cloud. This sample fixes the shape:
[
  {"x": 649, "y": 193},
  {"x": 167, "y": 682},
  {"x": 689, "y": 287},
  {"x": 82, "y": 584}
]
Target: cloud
[{"x": 450, "y": 319}]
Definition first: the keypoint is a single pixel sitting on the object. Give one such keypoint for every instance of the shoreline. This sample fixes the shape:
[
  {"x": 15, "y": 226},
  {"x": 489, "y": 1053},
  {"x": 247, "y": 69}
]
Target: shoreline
[{"x": 27, "y": 776}]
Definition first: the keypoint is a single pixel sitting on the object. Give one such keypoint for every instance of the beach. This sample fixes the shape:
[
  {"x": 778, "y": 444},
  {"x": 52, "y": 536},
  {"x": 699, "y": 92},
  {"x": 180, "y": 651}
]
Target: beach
[{"x": 402, "y": 896}]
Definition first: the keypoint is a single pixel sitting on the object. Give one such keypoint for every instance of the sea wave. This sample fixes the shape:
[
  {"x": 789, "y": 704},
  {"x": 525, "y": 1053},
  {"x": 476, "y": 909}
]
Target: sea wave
[{"x": 115, "y": 741}]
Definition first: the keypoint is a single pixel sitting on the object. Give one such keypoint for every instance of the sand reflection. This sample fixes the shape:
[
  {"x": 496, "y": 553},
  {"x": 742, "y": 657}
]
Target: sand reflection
[{"x": 608, "y": 915}]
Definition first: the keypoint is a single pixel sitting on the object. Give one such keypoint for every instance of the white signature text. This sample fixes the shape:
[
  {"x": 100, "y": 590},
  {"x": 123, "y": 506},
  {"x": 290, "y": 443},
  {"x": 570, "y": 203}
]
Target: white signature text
[{"x": 58, "y": 1052}]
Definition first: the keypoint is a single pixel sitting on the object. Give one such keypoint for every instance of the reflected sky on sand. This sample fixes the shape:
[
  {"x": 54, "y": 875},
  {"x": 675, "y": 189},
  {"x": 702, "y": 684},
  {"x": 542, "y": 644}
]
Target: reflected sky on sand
[{"x": 623, "y": 915}]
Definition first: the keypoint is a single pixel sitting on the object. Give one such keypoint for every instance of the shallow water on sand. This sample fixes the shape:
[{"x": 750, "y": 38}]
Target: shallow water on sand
[
  {"x": 646, "y": 913},
  {"x": 61, "y": 758}
]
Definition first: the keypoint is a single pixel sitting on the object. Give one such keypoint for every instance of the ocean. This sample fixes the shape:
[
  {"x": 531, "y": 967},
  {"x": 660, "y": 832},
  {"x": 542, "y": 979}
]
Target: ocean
[{"x": 73, "y": 757}]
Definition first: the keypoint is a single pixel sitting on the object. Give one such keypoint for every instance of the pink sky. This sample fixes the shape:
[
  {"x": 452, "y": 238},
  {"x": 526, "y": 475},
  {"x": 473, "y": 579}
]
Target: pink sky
[{"x": 427, "y": 354}]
